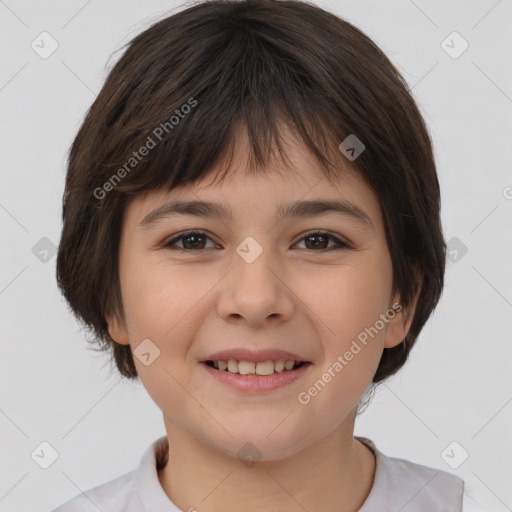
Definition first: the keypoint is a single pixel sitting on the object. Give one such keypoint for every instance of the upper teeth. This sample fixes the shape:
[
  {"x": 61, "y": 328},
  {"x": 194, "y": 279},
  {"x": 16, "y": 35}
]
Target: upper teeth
[{"x": 248, "y": 367}]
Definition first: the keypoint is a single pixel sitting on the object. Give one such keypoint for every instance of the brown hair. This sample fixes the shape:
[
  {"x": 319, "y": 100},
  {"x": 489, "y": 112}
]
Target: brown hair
[{"x": 183, "y": 89}]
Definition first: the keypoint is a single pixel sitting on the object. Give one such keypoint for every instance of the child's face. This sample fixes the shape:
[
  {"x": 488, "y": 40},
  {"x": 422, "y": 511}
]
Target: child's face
[{"x": 295, "y": 296}]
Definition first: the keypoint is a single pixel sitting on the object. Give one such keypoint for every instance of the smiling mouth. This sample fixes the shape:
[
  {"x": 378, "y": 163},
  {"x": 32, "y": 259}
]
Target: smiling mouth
[{"x": 256, "y": 369}]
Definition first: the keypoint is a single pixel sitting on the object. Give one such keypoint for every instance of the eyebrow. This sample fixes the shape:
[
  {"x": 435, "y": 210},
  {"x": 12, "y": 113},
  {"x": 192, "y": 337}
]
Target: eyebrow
[{"x": 221, "y": 211}]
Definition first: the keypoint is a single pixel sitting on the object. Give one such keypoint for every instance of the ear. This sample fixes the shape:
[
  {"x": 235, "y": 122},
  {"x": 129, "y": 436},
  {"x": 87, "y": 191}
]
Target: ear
[
  {"x": 117, "y": 329},
  {"x": 398, "y": 326}
]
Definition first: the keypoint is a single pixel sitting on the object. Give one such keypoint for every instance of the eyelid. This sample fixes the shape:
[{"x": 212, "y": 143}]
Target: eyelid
[
  {"x": 183, "y": 234},
  {"x": 341, "y": 242}
]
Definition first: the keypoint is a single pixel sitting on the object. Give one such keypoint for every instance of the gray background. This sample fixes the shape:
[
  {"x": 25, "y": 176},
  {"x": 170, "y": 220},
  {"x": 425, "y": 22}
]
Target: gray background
[{"x": 456, "y": 385}]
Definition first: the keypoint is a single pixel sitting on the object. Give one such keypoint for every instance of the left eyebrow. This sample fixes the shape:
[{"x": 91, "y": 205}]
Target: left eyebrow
[{"x": 222, "y": 211}]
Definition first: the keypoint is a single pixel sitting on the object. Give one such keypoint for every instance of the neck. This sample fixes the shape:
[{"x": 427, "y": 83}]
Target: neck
[{"x": 335, "y": 473}]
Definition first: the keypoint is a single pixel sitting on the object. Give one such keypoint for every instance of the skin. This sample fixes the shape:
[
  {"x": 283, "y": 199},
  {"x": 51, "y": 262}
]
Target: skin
[{"x": 294, "y": 296}]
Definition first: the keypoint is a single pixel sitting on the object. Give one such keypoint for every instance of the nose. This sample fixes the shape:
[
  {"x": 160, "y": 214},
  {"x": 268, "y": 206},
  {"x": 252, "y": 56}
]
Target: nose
[{"x": 256, "y": 290}]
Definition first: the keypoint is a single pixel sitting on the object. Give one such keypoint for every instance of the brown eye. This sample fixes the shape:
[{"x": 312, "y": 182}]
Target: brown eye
[
  {"x": 195, "y": 241},
  {"x": 191, "y": 241},
  {"x": 319, "y": 240}
]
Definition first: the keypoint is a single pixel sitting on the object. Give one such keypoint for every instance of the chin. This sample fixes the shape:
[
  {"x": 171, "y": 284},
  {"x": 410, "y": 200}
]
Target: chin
[{"x": 249, "y": 443}]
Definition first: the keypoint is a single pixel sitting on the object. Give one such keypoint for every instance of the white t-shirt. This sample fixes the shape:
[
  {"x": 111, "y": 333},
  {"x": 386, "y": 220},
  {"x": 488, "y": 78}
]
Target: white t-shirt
[{"x": 398, "y": 485}]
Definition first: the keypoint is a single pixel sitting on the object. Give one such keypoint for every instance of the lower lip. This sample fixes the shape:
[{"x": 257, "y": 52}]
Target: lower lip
[{"x": 257, "y": 384}]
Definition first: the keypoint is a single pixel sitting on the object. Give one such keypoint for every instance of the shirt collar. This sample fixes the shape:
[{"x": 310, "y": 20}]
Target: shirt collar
[
  {"x": 150, "y": 489},
  {"x": 393, "y": 481}
]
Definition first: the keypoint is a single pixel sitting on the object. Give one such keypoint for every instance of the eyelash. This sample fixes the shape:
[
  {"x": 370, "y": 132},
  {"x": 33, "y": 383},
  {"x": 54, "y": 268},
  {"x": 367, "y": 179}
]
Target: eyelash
[{"x": 181, "y": 236}]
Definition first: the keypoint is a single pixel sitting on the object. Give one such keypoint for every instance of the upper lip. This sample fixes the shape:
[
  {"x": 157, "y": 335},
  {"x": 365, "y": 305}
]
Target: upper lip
[{"x": 243, "y": 354}]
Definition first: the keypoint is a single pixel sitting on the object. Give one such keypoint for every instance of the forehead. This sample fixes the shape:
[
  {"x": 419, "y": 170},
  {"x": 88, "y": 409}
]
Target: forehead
[{"x": 244, "y": 190}]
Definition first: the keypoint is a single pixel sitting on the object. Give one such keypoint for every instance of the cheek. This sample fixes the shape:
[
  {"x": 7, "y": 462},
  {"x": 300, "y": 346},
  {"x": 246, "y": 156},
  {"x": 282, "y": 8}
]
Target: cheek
[
  {"x": 160, "y": 300},
  {"x": 354, "y": 299},
  {"x": 353, "y": 340},
  {"x": 165, "y": 305},
  {"x": 352, "y": 345}
]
